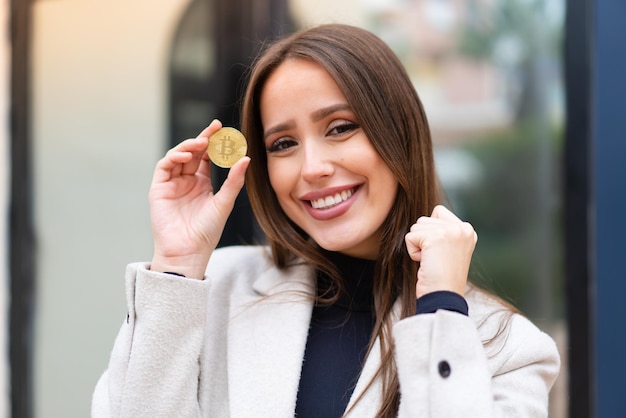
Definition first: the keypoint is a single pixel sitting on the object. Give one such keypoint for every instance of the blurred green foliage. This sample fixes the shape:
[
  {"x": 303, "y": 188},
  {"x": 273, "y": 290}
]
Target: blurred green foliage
[{"x": 515, "y": 207}]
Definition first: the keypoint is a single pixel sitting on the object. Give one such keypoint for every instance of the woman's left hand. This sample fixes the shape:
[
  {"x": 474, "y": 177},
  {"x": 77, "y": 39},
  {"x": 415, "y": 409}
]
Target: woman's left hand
[{"x": 443, "y": 245}]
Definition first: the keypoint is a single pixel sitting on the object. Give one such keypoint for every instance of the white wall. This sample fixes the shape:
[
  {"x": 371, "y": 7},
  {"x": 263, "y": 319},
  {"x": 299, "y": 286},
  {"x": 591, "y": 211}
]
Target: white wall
[{"x": 99, "y": 125}]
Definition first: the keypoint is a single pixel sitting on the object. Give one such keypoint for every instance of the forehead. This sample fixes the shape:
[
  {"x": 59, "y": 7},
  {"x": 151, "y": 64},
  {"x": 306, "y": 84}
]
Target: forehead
[
  {"x": 300, "y": 83},
  {"x": 297, "y": 69}
]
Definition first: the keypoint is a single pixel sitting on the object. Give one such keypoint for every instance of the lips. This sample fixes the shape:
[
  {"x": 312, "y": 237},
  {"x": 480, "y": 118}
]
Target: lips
[{"x": 331, "y": 200}]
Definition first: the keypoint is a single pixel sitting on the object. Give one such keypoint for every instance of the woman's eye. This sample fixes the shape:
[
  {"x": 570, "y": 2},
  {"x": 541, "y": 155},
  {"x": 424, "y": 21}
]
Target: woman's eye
[
  {"x": 281, "y": 144},
  {"x": 343, "y": 128}
]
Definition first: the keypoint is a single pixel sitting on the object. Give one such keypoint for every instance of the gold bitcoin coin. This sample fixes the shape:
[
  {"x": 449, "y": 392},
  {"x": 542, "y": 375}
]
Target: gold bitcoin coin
[{"x": 226, "y": 147}]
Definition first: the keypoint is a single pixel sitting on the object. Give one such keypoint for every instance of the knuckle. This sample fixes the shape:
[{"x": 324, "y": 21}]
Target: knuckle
[{"x": 468, "y": 229}]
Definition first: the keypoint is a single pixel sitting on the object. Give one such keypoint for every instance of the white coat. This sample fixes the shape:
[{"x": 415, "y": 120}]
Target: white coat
[{"x": 232, "y": 345}]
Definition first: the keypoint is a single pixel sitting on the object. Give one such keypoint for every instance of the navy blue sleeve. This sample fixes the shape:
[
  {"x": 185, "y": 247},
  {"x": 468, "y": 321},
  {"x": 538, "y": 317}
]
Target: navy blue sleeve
[{"x": 443, "y": 299}]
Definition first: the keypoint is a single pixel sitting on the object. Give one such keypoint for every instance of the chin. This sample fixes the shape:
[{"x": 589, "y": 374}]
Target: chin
[
  {"x": 359, "y": 250},
  {"x": 334, "y": 246}
]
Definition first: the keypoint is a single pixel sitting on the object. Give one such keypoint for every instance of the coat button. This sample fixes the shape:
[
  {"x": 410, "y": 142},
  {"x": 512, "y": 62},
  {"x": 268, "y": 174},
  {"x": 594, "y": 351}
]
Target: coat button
[{"x": 444, "y": 369}]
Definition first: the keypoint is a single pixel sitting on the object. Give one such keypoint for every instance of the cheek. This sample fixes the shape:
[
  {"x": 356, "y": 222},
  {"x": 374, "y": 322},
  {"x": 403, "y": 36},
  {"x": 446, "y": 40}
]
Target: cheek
[
  {"x": 272, "y": 174},
  {"x": 386, "y": 182},
  {"x": 279, "y": 179}
]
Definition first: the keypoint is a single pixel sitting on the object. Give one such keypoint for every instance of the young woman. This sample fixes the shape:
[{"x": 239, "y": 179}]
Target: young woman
[{"x": 359, "y": 305}]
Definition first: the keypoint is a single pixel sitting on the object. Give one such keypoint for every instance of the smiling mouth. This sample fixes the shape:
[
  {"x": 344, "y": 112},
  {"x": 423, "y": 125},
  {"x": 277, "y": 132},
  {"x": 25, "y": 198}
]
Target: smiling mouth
[{"x": 332, "y": 200}]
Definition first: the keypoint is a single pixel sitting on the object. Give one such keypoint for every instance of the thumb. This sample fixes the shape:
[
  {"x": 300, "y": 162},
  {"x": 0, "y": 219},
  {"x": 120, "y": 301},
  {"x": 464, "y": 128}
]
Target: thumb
[
  {"x": 443, "y": 213},
  {"x": 225, "y": 197}
]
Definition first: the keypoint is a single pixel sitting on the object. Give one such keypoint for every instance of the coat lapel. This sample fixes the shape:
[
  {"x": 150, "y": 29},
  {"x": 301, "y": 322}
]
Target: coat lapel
[
  {"x": 372, "y": 399},
  {"x": 266, "y": 339}
]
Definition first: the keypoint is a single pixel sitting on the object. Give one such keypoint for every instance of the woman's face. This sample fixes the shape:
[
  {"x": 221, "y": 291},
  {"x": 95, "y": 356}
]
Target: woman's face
[{"x": 326, "y": 174}]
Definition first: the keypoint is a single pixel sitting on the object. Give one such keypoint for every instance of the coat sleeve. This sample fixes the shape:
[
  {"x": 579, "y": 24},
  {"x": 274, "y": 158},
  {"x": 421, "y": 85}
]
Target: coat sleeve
[
  {"x": 156, "y": 353},
  {"x": 446, "y": 371}
]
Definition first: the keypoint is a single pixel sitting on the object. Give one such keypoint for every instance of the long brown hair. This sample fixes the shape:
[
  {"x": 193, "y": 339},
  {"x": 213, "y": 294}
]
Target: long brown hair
[{"x": 390, "y": 113}]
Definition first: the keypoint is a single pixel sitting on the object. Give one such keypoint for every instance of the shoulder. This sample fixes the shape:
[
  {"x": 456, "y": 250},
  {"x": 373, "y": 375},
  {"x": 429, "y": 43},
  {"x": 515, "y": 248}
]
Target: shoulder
[
  {"x": 233, "y": 270},
  {"x": 240, "y": 255},
  {"x": 251, "y": 270},
  {"x": 510, "y": 339},
  {"x": 486, "y": 309},
  {"x": 246, "y": 260}
]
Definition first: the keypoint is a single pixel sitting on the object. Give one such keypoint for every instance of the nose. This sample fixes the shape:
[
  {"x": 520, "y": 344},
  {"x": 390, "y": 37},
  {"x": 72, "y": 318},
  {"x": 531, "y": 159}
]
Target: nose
[{"x": 316, "y": 161}]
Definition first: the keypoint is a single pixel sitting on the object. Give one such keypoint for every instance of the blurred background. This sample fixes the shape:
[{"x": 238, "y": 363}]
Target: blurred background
[{"x": 111, "y": 85}]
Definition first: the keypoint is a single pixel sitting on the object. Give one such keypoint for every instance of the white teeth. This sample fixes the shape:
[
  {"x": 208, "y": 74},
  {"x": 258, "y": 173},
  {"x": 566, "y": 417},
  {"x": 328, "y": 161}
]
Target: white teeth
[{"x": 330, "y": 201}]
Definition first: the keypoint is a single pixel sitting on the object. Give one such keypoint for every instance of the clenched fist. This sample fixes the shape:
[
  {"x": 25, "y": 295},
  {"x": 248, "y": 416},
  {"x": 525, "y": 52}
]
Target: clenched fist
[{"x": 443, "y": 245}]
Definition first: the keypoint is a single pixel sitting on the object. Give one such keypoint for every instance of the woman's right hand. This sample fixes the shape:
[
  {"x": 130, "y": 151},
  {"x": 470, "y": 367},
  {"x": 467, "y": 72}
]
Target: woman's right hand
[{"x": 187, "y": 217}]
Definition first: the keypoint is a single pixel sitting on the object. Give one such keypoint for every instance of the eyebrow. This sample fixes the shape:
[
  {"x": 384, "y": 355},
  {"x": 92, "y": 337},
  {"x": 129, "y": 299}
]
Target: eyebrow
[
  {"x": 279, "y": 128},
  {"x": 315, "y": 116},
  {"x": 326, "y": 111}
]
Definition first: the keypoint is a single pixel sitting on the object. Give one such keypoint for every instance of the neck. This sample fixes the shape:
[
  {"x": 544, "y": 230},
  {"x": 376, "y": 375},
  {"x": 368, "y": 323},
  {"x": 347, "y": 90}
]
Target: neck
[{"x": 357, "y": 281}]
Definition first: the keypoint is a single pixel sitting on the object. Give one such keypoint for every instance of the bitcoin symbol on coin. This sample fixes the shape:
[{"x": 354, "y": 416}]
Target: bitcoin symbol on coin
[{"x": 226, "y": 147}]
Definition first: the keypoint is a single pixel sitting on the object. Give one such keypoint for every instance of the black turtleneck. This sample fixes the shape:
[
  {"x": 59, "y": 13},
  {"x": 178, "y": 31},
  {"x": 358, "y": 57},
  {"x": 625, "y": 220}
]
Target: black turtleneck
[
  {"x": 338, "y": 339},
  {"x": 339, "y": 335}
]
